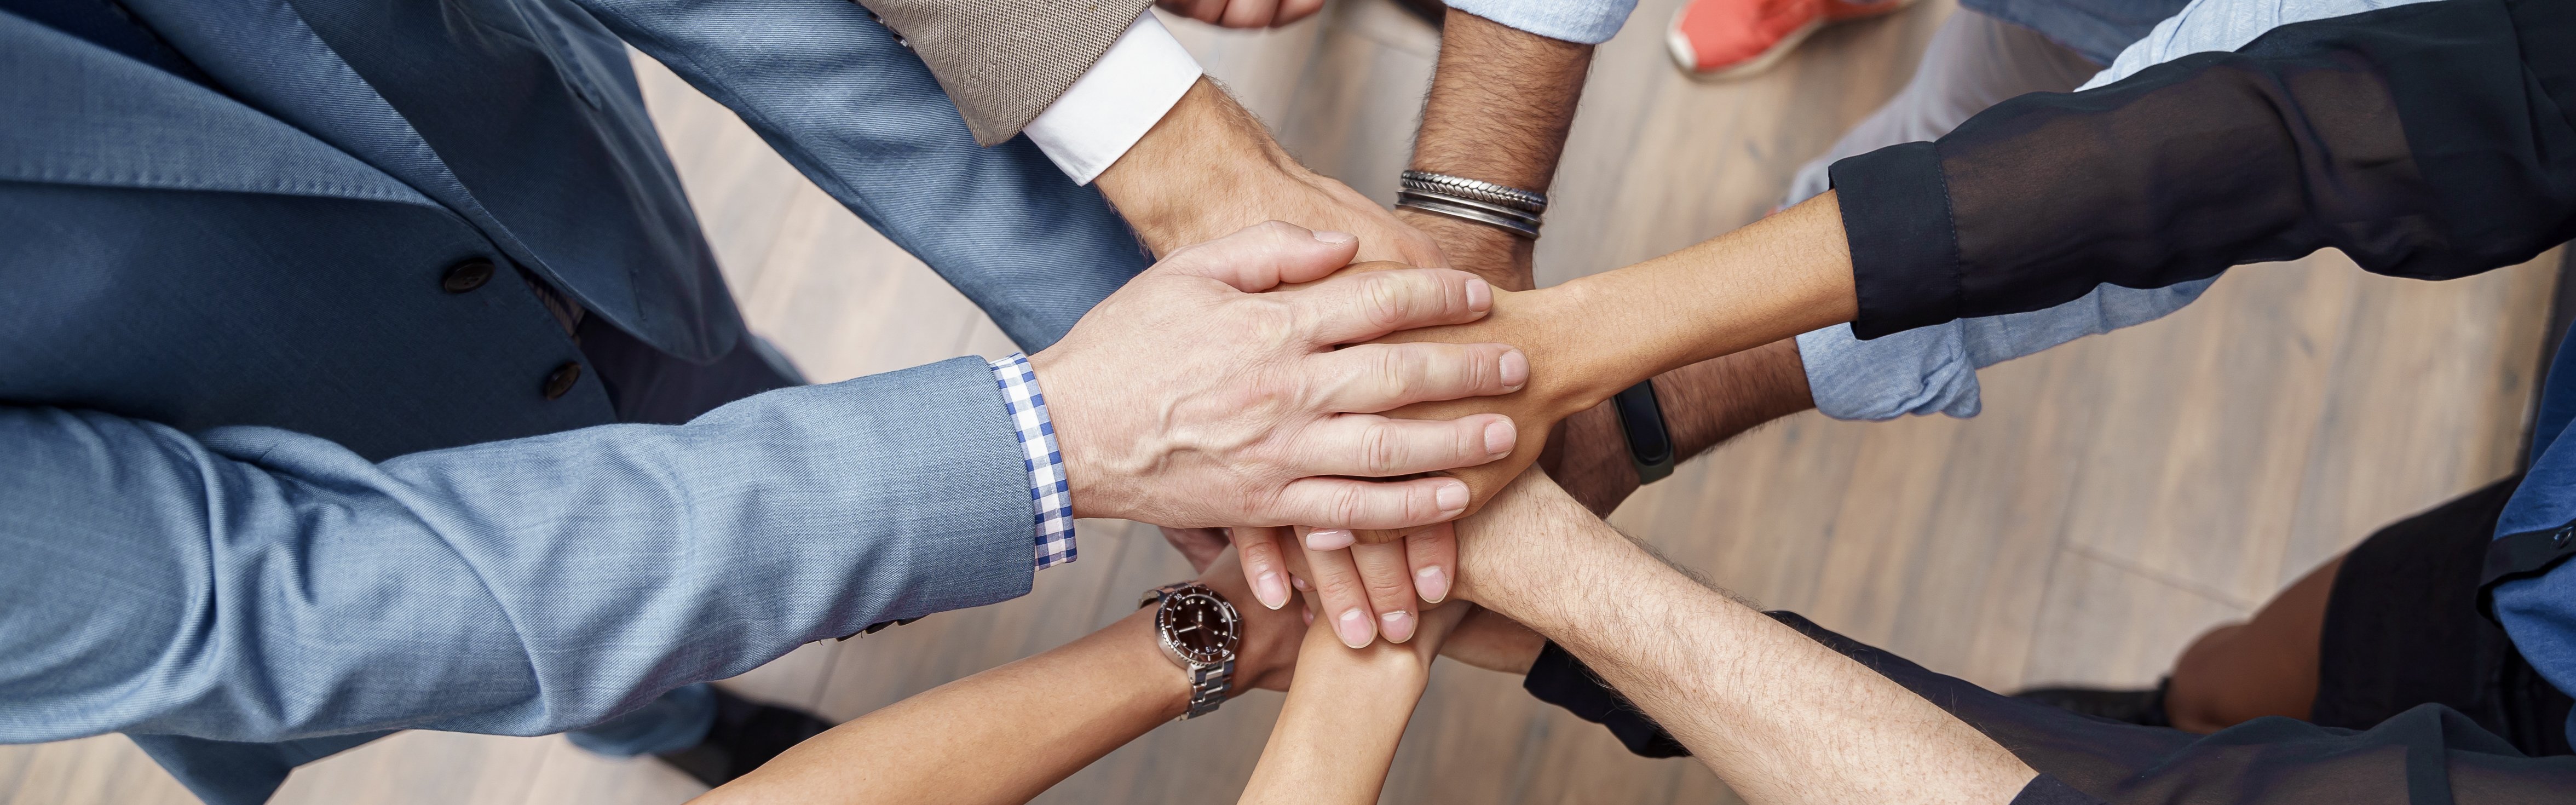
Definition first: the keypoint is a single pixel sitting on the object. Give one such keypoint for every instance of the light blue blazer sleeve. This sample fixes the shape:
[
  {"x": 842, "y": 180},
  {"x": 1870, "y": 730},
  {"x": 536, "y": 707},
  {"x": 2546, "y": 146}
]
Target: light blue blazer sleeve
[
  {"x": 254, "y": 584},
  {"x": 846, "y": 103}
]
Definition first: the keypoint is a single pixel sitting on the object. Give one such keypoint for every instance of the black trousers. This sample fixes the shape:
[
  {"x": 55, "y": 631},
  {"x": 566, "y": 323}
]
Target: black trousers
[{"x": 2403, "y": 629}]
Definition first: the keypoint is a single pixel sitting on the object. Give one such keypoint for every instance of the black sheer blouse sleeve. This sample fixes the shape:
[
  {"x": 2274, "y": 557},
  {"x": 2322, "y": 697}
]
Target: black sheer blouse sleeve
[
  {"x": 2428, "y": 141},
  {"x": 1559, "y": 679}
]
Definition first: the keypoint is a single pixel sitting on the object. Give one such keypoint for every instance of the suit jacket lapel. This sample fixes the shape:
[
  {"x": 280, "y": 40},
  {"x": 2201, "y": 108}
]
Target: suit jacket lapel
[
  {"x": 82, "y": 114},
  {"x": 263, "y": 52}
]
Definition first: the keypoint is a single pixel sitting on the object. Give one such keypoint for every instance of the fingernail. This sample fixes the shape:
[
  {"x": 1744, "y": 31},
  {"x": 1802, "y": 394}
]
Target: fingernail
[
  {"x": 1515, "y": 371},
  {"x": 1301, "y": 583},
  {"x": 1333, "y": 539},
  {"x": 1432, "y": 583},
  {"x": 1452, "y": 497},
  {"x": 1498, "y": 440},
  {"x": 1354, "y": 629},
  {"x": 1310, "y": 616},
  {"x": 1267, "y": 588},
  {"x": 1335, "y": 237},
  {"x": 1397, "y": 626},
  {"x": 1480, "y": 294}
]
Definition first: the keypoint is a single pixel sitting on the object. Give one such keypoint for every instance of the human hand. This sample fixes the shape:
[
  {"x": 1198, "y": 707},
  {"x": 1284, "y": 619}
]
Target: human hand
[
  {"x": 1267, "y": 657},
  {"x": 1244, "y": 13},
  {"x": 1371, "y": 580},
  {"x": 1368, "y": 585},
  {"x": 1365, "y": 590},
  {"x": 1190, "y": 400},
  {"x": 1209, "y": 168},
  {"x": 1569, "y": 378},
  {"x": 1528, "y": 530}
]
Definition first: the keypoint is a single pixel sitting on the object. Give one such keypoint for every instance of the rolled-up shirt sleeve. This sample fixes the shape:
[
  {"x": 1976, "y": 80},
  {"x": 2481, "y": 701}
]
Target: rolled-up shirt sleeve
[
  {"x": 2425, "y": 141},
  {"x": 1589, "y": 22}
]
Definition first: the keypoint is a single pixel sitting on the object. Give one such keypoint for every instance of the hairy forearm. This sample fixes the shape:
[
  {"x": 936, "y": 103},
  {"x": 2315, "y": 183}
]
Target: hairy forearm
[
  {"x": 1208, "y": 168},
  {"x": 1337, "y": 733},
  {"x": 1197, "y": 152},
  {"x": 1001, "y": 736},
  {"x": 1704, "y": 404},
  {"x": 1781, "y": 718},
  {"x": 1500, "y": 105}
]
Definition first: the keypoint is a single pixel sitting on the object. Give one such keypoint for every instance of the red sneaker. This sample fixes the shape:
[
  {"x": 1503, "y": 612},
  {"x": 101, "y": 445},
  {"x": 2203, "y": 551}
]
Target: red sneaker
[{"x": 1736, "y": 38}]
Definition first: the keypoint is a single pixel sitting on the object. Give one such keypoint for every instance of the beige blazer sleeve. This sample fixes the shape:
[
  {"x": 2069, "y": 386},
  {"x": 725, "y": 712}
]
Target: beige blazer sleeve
[{"x": 1005, "y": 61}]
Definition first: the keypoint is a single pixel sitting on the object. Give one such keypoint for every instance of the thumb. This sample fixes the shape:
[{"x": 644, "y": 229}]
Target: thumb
[{"x": 1264, "y": 255}]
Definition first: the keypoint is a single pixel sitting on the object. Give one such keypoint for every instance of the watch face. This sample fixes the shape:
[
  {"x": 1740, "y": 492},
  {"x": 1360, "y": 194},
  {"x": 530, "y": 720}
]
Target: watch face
[{"x": 1199, "y": 626}]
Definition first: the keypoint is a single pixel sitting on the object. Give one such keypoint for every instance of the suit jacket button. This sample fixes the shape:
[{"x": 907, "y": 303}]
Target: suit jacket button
[
  {"x": 559, "y": 382},
  {"x": 467, "y": 276}
]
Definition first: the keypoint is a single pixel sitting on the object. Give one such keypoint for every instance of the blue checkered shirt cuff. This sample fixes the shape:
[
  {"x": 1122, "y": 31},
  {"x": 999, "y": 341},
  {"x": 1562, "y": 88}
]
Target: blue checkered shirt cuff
[{"x": 1048, "y": 493}]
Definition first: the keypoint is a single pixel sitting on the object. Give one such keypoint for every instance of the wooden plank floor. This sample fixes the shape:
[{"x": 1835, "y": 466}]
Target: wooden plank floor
[{"x": 2118, "y": 495}]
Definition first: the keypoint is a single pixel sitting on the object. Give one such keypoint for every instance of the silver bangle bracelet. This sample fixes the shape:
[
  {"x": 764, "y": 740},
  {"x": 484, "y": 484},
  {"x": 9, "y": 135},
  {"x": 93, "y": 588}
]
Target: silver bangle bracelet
[
  {"x": 1477, "y": 189},
  {"x": 1463, "y": 210},
  {"x": 1511, "y": 209}
]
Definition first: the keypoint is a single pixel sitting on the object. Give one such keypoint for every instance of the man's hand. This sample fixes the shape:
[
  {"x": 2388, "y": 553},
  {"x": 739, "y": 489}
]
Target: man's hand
[
  {"x": 1244, "y": 13},
  {"x": 1190, "y": 399},
  {"x": 1209, "y": 168}
]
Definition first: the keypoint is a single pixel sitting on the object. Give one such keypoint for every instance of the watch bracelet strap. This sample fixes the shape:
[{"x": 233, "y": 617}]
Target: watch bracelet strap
[
  {"x": 1156, "y": 595},
  {"x": 1650, "y": 440},
  {"x": 1208, "y": 685}
]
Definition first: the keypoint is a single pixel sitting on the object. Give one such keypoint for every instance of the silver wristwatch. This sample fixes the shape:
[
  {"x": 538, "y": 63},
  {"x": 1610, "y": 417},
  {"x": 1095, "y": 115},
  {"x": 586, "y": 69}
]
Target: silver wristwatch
[{"x": 1200, "y": 631}]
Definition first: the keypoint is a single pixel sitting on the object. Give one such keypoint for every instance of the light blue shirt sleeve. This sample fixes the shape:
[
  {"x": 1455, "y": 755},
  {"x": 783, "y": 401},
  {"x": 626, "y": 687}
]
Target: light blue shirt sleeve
[
  {"x": 1589, "y": 22},
  {"x": 1931, "y": 370},
  {"x": 1934, "y": 369}
]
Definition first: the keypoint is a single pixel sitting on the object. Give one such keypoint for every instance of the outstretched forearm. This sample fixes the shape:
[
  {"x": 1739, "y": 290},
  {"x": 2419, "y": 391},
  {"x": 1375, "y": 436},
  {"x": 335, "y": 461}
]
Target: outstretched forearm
[
  {"x": 1007, "y": 734},
  {"x": 1337, "y": 733},
  {"x": 1704, "y": 404},
  {"x": 1209, "y": 168},
  {"x": 1779, "y": 717},
  {"x": 1001, "y": 736},
  {"x": 1500, "y": 104}
]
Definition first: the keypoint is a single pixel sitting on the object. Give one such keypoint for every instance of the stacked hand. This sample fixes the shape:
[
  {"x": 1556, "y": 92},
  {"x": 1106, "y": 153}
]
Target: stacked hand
[
  {"x": 1244, "y": 13},
  {"x": 1189, "y": 399}
]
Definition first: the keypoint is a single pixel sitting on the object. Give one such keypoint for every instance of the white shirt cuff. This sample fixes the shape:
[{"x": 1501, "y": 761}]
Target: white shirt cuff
[{"x": 1111, "y": 107}]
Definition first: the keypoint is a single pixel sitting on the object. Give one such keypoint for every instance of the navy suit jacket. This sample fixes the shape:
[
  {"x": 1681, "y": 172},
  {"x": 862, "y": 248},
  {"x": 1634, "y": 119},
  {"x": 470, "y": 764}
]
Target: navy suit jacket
[{"x": 267, "y": 479}]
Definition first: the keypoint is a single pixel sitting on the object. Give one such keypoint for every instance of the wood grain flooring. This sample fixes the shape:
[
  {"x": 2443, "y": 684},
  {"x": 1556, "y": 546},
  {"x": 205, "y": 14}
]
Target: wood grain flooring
[{"x": 2117, "y": 496}]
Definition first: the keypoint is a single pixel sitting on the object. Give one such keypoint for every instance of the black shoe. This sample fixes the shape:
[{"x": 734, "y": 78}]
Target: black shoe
[
  {"x": 2145, "y": 708},
  {"x": 746, "y": 734}
]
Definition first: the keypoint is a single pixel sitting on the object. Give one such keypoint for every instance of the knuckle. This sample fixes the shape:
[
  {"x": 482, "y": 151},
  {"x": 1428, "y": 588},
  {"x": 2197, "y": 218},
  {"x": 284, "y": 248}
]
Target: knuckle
[
  {"x": 1389, "y": 585},
  {"x": 1481, "y": 371},
  {"x": 1383, "y": 299},
  {"x": 1350, "y": 505},
  {"x": 1337, "y": 582},
  {"x": 1380, "y": 451}
]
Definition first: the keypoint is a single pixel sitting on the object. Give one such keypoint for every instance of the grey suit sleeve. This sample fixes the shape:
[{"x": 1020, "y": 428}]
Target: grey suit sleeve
[
  {"x": 254, "y": 584},
  {"x": 855, "y": 111},
  {"x": 1004, "y": 61}
]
